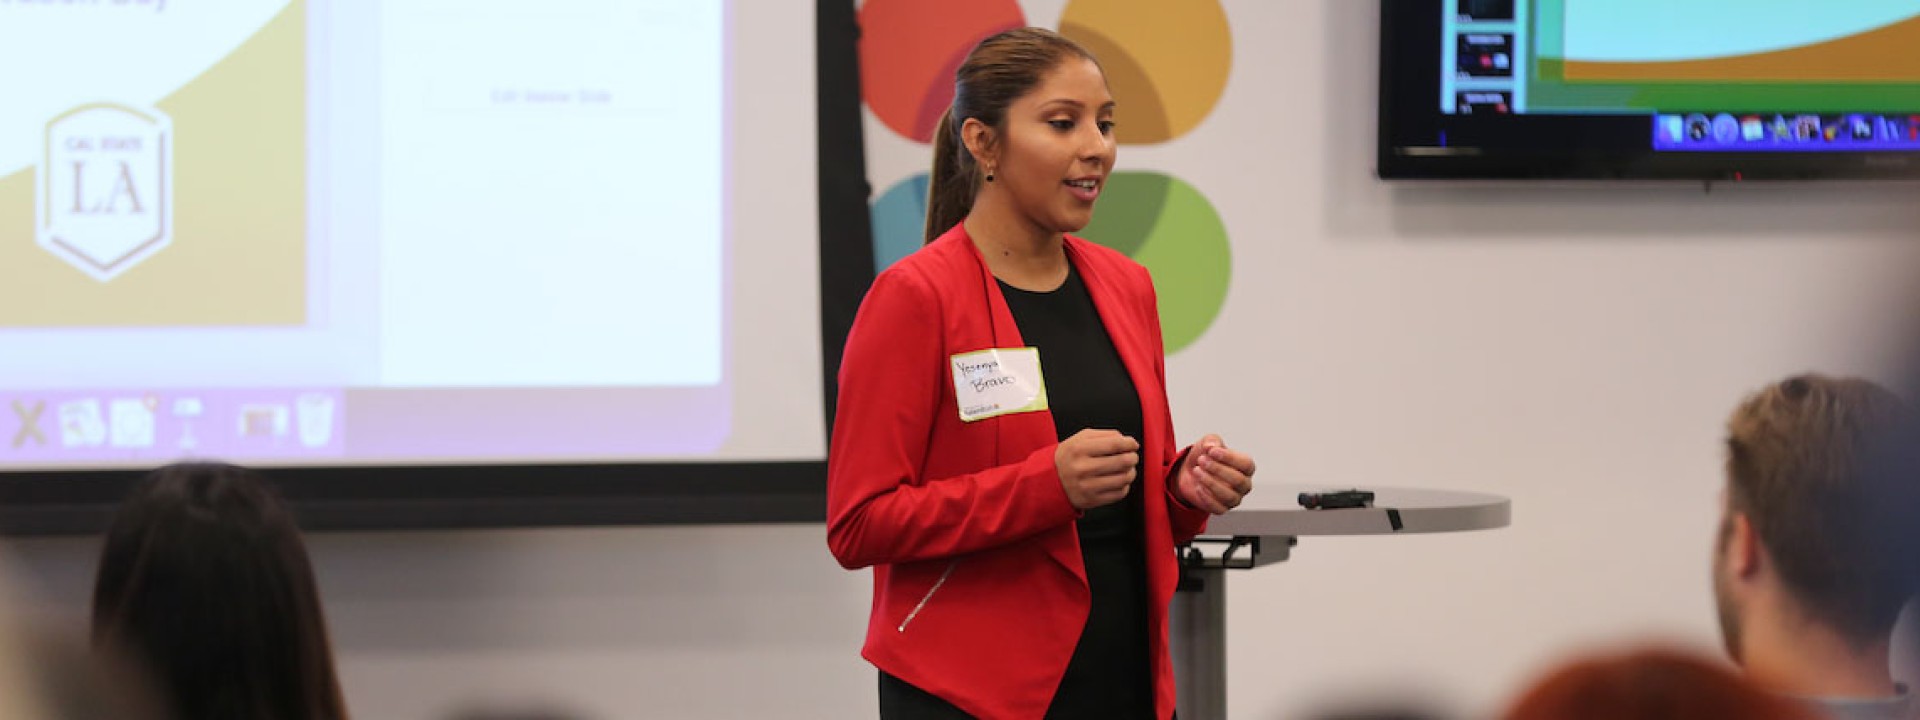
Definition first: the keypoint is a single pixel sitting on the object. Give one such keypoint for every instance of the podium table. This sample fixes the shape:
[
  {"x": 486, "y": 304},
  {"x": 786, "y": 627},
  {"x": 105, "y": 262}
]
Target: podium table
[{"x": 1252, "y": 538}]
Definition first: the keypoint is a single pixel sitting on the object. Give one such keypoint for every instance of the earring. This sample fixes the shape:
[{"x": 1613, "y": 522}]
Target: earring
[{"x": 989, "y": 176}]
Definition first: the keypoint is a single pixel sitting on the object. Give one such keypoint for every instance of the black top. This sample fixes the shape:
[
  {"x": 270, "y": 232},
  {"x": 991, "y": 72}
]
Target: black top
[{"x": 1088, "y": 387}]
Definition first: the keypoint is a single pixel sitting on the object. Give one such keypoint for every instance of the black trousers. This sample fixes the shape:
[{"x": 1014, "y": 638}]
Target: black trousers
[{"x": 900, "y": 700}]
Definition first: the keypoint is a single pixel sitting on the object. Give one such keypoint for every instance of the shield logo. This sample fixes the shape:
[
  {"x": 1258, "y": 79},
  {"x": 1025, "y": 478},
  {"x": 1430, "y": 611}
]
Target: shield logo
[{"x": 105, "y": 193}]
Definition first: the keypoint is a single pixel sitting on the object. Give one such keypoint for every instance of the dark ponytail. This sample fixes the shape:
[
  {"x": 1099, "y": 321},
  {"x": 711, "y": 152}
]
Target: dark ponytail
[
  {"x": 998, "y": 71},
  {"x": 954, "y": 180}
]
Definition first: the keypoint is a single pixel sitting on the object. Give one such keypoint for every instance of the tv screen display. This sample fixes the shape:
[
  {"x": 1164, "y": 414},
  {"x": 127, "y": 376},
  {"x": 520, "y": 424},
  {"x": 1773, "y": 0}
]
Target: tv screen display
[{"x": 1696, "y": 89}]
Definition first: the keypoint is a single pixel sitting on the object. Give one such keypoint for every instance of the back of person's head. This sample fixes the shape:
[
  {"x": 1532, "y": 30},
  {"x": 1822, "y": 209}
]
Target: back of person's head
[
  {"x": 204, "y": 579},
  {"x": 1650, "y": 685},
  {"x": 1820, "y": 470}
]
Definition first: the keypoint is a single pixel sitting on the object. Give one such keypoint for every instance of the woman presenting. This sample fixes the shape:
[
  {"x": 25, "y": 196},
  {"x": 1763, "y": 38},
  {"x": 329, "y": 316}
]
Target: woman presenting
[{"x": 1003, "y": 455}]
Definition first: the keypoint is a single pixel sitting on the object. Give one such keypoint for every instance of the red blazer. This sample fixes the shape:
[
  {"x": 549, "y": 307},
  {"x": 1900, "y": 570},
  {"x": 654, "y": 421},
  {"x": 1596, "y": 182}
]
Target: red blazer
[{"x": 979, "y": 593}]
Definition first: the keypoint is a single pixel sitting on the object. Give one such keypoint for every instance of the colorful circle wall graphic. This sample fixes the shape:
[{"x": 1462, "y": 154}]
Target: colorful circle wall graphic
[
  {"x": 1168, "y": 226},
  {"x": 909, "y": 50},
  {"x": 1167, "y": 62},
  {"x": 899, "y": 221}
]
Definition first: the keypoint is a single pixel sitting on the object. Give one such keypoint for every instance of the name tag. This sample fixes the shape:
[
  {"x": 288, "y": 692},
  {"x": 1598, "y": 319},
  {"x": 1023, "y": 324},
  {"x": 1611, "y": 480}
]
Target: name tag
[{"x": 999, "y": 381}]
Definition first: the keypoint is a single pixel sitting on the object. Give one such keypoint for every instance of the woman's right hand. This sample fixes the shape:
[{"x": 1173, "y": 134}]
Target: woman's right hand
[{"x": 1097, "y": 467}]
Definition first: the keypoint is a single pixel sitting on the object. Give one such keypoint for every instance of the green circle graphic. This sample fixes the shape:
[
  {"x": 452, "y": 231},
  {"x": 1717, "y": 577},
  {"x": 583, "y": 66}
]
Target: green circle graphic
[
  {"x": 1166, "y": 225},
  {"x": 1158, "y": 220}
]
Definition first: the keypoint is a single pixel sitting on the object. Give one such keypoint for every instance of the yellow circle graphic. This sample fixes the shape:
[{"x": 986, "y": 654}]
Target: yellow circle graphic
[{"x": 1166, "y": 61}]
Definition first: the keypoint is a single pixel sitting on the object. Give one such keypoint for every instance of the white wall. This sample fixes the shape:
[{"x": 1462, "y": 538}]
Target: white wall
[{"x": 1575, "y": 347}]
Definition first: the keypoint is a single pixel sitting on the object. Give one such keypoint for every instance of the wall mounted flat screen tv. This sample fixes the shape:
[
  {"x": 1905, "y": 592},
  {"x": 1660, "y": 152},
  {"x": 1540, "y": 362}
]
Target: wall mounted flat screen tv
[{"x": 1675, "y": 89}]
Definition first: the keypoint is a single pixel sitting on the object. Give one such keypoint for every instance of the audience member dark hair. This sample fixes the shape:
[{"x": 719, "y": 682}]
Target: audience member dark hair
[
  {"x": 1650, "y": 685},
  {"x": 204, "y": 579}
]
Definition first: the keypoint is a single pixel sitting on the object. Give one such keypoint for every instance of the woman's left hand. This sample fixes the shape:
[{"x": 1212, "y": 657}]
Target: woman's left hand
[{"x": 1214, "y": 477}]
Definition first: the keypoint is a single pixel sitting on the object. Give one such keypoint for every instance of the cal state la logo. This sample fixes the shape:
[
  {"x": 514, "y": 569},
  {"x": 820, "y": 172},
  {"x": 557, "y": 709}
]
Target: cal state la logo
[{"x": 105, "y": 191}]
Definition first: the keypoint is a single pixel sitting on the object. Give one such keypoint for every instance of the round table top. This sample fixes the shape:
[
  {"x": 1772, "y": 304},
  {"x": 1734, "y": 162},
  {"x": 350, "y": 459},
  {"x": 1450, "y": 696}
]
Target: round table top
[{"x": 1420, "y": 511}]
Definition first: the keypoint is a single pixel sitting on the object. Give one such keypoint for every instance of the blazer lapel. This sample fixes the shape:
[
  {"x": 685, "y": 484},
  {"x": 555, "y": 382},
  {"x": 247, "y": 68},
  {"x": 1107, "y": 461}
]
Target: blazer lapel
[{"x": 1127, "y": 333}]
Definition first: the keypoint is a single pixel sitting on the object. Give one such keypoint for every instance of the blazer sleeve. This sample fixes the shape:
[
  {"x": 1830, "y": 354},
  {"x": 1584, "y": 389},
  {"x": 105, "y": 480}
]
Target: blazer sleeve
[
  {"x": 879, "y": 509},
  {"x": 1185, "y": 521}
]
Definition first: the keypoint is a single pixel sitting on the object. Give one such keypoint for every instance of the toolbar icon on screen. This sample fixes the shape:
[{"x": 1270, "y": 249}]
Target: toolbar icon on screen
[
  {"x": 132, "y": 422},
  {"x": 263, "y": 421},
  {"x": 1858, "y": 126},
  {"x": 313, "y": 412},
  {"x": 29, "y": 416},
  {"x": 82, "y": 424}
]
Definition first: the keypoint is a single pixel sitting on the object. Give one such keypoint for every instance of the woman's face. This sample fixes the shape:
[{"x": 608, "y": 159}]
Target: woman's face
[{"x": 1056, "y": 147}]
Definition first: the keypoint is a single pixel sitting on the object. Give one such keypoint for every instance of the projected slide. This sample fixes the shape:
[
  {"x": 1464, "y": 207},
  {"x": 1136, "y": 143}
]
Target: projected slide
[
  {"x": 97, "y": 180},
  {"x": 322, "y": 231}
]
